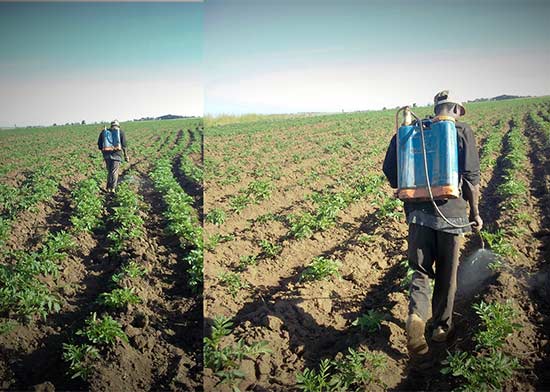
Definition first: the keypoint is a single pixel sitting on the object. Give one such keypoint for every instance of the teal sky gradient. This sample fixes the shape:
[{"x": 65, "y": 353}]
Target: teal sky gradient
[
  {"x": 65, "y": 51},
  {"x": 326, "y": 51}
]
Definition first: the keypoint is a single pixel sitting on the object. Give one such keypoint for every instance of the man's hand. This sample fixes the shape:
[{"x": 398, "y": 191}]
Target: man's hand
[
  {"x": 478, "y": 222},
  {"x": 127, "y": 159}
]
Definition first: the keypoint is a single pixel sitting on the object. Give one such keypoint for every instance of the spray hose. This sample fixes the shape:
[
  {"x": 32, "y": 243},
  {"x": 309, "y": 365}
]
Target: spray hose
[{"x": 425, "y": 158}]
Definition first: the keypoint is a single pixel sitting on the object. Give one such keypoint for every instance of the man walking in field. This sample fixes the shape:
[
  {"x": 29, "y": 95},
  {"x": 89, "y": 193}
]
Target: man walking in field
[
  {"x": 432, "y": 240},
  {"x": 112, "y": 142}
]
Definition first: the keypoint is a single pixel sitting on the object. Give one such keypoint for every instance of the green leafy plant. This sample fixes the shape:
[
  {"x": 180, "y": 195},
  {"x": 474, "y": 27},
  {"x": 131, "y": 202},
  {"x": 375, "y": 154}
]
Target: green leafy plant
[
  {"x": 321, "y": 268},
  {"x": 270, "y": 250},
  {"x": 239, "y": 202},
  {"x": 489, "y": 368},
  {"x": 80, "y": 359},
  {"x": 7, "y": 326},
  {"x": 259, "y": 190},
  {"x": 481, "y": 373},
  {"x": 355, "y": 371},
  {"x": 233, "y": 282},
  {"x": 407, "y": 279},
  {"x": 497, "y": 320},
  {"x": 131, "y": 270},
  {"x": 216, "y": 216},
  {"x": 119, "y": 298},
  {"x": 225, "y": 360},
  {"x": 370, "y": 321},
  {"x": 103, "y": 330},
  {"x": 88, "y": 206},
  {"x": 245, "y": 261},
  {"x": 498, "y": 243}
]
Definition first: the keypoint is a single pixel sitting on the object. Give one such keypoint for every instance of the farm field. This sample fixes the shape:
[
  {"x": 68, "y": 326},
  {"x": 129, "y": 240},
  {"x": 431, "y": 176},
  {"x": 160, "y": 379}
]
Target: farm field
[
  {"x": 306, "y": 265},
  {"x": 100, "y": 291}
]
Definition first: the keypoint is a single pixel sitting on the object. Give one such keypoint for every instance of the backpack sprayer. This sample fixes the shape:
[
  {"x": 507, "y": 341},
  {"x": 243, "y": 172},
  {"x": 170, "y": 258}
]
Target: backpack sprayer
[
  {"x": 427, "y": 160},
  {"x": 111, "y": 139}
]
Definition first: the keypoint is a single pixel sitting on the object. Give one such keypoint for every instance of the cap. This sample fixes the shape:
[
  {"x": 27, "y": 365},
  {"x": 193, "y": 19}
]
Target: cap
[
  {"x": 115, "y": 123},
  {"x": 445, "y": 96}
]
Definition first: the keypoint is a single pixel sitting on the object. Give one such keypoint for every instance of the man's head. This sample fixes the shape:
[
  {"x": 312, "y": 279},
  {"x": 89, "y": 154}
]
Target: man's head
[
  {"x": 447, "y": 105},
  {"x": 115, "y": 124}
]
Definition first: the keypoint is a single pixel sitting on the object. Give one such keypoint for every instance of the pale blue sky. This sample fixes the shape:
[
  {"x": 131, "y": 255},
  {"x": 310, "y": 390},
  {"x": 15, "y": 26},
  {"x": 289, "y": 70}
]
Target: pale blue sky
[
  {"x": 306, "y": 55},
  {"x": 64, "y": 62}
]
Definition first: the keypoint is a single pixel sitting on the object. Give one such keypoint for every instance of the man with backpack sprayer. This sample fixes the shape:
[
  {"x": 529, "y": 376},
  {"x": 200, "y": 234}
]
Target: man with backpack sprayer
[
  {"x": 112, "y": 142},
  {"x": 434, "y": 164}
]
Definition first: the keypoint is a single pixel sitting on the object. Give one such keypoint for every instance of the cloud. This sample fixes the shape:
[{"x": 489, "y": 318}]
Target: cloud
[{"x": 387, "y": 80}]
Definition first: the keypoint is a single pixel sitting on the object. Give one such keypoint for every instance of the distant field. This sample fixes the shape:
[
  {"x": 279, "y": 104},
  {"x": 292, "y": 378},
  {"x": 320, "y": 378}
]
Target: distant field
[
  {"x": 100, "y": 292},
  {"x": 307, "y": 250}
]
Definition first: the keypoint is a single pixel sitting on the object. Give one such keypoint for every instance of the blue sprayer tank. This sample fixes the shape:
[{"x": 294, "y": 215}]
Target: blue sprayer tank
[
  {"x": 442, "y": 158},
  {"x": 111, "y": 140}
]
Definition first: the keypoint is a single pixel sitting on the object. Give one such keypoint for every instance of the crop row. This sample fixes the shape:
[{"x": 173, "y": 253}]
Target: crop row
[
  {"x": 182, "y": 220},
  {"x": 99, "y": 333},
  {"x": 23, "y": 292},
  {"x": 488, "y": 368},
  {"x": 40, "y": 185},
  {"x": 542, "y": 124}
]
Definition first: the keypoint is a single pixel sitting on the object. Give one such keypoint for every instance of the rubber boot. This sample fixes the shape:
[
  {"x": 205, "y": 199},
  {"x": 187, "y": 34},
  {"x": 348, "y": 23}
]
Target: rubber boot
[{"x": 416, "y": 341}]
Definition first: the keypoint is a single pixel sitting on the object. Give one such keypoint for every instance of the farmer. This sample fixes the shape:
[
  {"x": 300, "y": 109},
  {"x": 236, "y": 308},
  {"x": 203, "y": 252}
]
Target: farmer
[
  {"x": 111, "y": 142},
  {"x": 432, "y": 240}
]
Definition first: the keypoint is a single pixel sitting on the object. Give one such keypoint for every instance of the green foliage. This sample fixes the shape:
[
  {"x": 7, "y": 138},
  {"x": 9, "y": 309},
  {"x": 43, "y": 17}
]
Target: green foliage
[
  {"x": 7, "y": 326},
  {"x": 259, "y": 190},
  {"x": 497, "y": 320},
  {"x": 270, "y": 250},
  {"x": 80, "y": 359},
  {"x": 370, "y": 321},
  {"x": 481, "y": 373},
  {"x": 183, "y": 221},
  {"x": 321, "y": 268},
  {"x": 488, "y": 369},
  {"x": 302, "y": 226},
  {"x": 490, "y": 148},
  {"x": 126, "y": 219},
  {"x": 233, "y": 282},
  {"x": 102, "y": 331},
  {"x": 216, "y": 216},
  {"x": 498, "y": 243},
  {"x": 195, "y": 259},
  {"x": 225, "y": 360},
  {"x": 118, "y": 298},
  {"x": 388, "y": 208},
  {"x": 245, "y": 261},
  {"x": 329, "y": 204},
  {"x": 356, "y": 371},
  {"x": 514, "y": 188},
  {"x": 365, "y": 238},
  {"x": 131, "y": 270},
  {"x": 407, "y": 279},
  {"x": 190, "y": 170},
  {"x": 88, "y": 206},
  {"x": 239, "y": 202},
  {"x": 21, "y": 290}
]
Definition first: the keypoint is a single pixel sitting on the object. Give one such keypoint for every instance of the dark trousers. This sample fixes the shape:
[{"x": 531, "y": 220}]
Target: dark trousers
[
  {"x": 426, "y": 248},
  {"x": 112, "y": 172}
]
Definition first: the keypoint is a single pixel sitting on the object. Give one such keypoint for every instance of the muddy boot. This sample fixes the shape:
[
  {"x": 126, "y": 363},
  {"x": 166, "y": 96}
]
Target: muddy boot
[
  {"x": 416, "y": 342},
  {"x": 440, "y": 334}
]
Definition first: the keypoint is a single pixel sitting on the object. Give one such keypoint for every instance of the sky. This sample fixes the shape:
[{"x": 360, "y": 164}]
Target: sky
[
  {"x": 317, "y": 55},
  {"x": 68, "y": 62}
]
